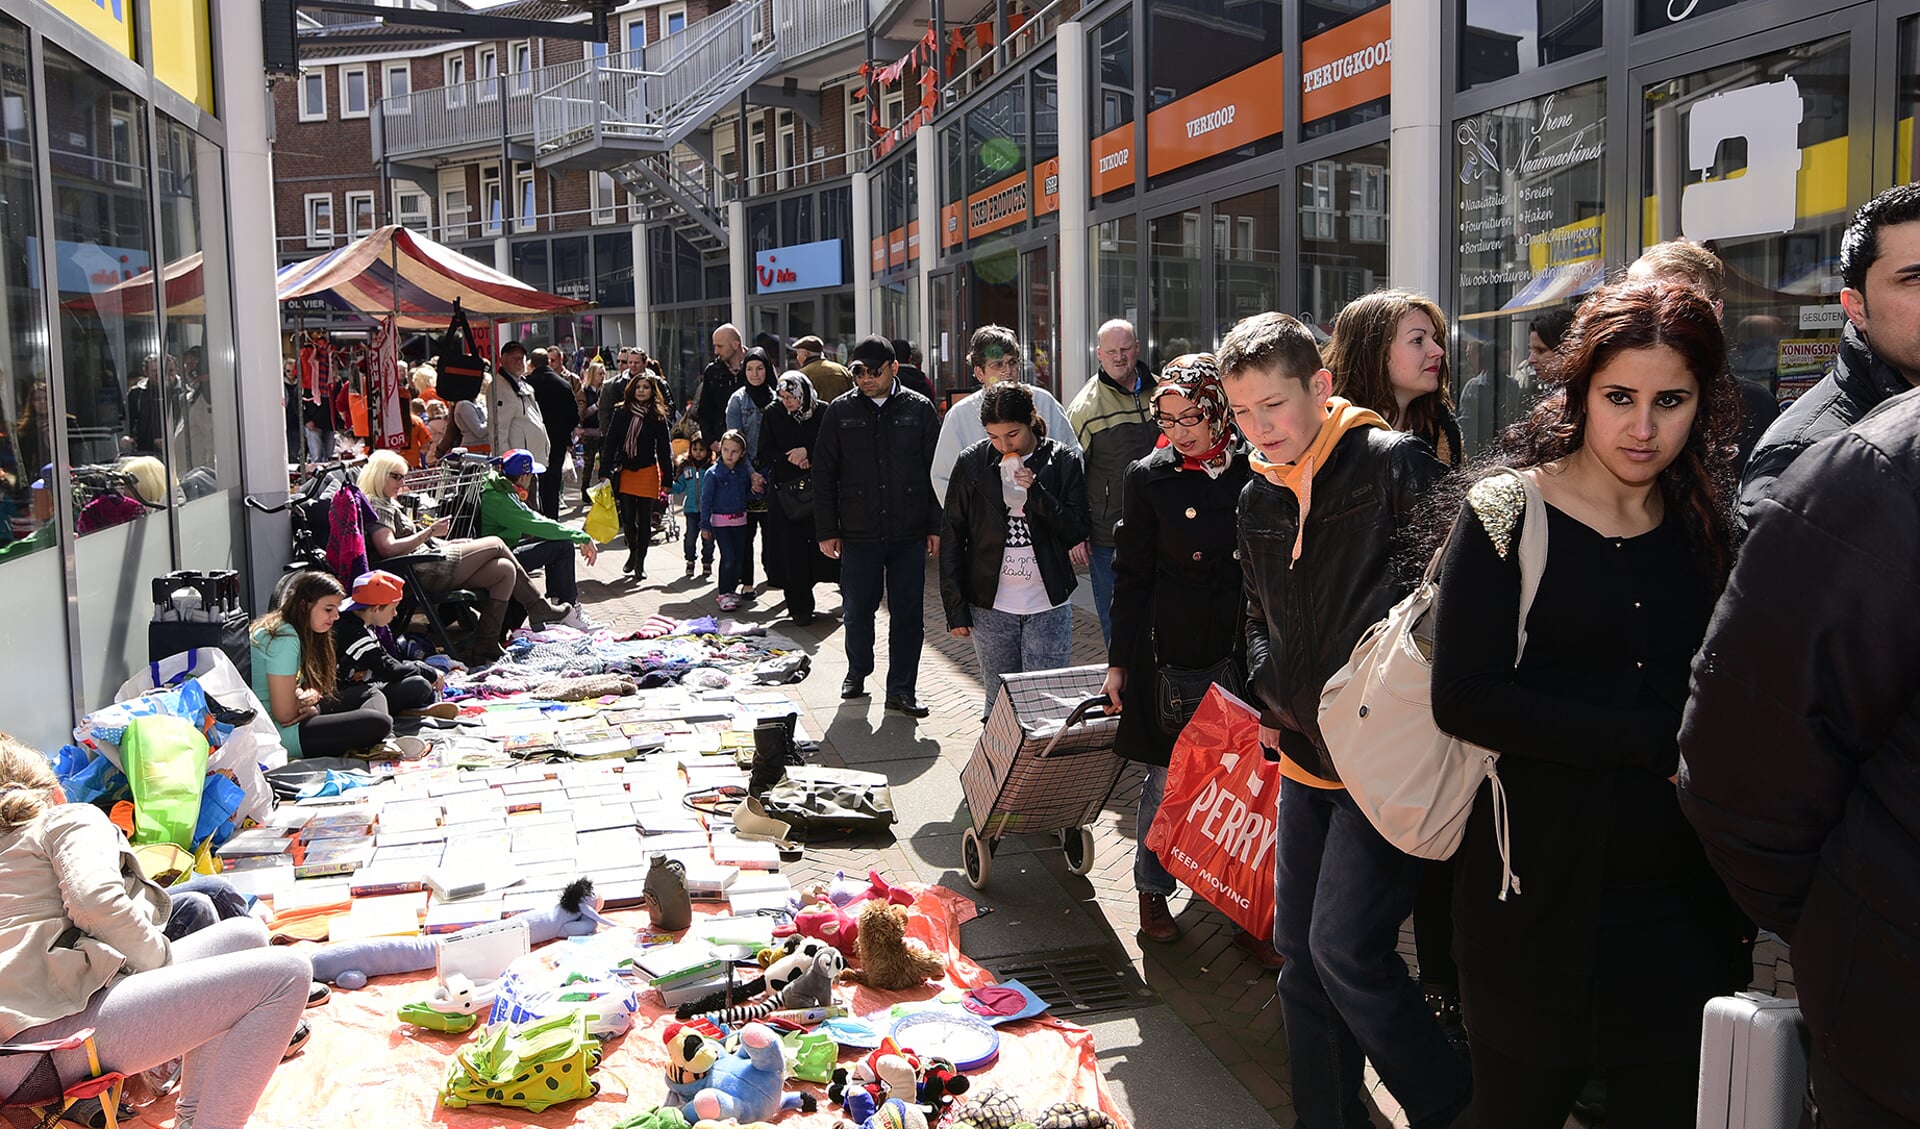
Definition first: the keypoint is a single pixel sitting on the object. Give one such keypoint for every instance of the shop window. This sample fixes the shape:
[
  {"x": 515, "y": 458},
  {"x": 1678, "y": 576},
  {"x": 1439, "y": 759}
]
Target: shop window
[
  {"x": 613, "y": 269},
  {"x": 26, "y": 408},
  {"x": 1212, "y": 69},
  {"x": 1110, "y": 109},
  {"x": 412, "y": 211},
  {"x": 1530, "y": 236},
  {"x": 320, "y": 228},
  {"x": 1343, "y": 237},
  {"x": 529, "y": 261},
  {"x": 353, "y": 92},
  {"x": 1346, "y": 63},
  {"x": 1247, "y": 264},
  {"x": 1175, "y": 289},
  {"x": 953, "y": 189},
  {"x": 1115, "y": 249},
  {"x": 1654, "y": 15},
  {"x": 1317, "y": 211},
  {"x": 1906, "y": 163},
  {"x": 1499, "y": 39},
  {"x": 455, "y": 70},
  {"x": 1772, "y": 202},
  {"x": 313, "y": 96},
  {"x": 572, "y": 277},
  {"x": 396, "y": 89},
  {"x": 998, "y": 190}
]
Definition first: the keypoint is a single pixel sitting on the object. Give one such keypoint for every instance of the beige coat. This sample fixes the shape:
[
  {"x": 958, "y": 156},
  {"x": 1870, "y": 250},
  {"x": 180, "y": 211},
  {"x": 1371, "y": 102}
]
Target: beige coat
[{"x": 75, "y": 911}]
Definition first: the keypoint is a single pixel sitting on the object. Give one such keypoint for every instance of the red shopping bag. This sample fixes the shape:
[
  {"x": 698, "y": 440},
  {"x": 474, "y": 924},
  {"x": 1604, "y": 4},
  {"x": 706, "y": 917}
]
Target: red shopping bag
[{"x": 1215, "y": 827}]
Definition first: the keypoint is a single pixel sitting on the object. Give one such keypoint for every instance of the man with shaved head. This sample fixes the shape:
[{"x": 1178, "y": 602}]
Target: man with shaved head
[{"x": 718, "y": 381}]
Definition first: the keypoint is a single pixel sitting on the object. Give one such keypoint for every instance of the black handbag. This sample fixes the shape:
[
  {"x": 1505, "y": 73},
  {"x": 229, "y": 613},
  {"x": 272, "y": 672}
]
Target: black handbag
[
  {"x": 820, "y": 803},
  {"x": 795, "y": 498},
  {"x": 461, "y": 368},
  {"x": 1179, "y": 691}
]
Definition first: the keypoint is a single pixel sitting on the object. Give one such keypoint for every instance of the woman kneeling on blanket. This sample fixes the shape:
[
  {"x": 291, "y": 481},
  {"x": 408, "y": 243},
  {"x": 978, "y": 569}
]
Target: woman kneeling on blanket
[
  {"x": 296, "y": 676},
  {"x": 81, "y": 946}
]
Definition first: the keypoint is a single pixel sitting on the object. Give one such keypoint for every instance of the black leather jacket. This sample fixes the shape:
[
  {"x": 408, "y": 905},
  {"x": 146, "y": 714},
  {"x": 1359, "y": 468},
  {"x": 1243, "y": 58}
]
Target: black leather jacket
[
  {"x": 872, "y": 468},
  {"x": 1304, "y": 616},
  {"x": 976, "y": 526}
]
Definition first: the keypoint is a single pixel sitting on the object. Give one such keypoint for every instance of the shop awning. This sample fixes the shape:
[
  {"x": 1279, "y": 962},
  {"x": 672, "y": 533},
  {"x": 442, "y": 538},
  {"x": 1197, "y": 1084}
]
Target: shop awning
[
  {"x": 394, "y": 269},
  {"x": 1555, "y": 285},
  {"x": 184, "y": 280}
]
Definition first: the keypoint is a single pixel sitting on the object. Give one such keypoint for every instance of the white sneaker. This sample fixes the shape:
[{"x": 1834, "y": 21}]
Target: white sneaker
[{"x": 578, "y": 619}]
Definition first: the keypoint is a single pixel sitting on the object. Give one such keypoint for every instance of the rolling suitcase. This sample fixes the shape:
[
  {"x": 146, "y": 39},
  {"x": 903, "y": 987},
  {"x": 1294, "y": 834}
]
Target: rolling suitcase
[{"x": 1753, "y": 1063}]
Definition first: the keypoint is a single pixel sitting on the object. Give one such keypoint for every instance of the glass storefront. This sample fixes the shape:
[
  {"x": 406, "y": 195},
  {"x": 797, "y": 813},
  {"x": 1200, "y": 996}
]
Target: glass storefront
[
  {"x": 1501, "y": 38},
  {"x": 1247, "y": 263},
  {"x": 1175, "y": 279},
  {"x": 1343, "y": 231},
  {"x": 1211, "y": 70}
]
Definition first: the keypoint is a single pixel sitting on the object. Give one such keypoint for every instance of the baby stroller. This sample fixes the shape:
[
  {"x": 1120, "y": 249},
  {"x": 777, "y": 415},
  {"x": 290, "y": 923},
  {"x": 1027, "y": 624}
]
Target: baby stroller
[{"x": 1044, "y": 762}]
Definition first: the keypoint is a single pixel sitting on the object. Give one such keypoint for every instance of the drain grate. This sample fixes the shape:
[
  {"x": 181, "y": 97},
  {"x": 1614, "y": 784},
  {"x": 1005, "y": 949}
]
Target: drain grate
[{"x": 1078, "y": 982}]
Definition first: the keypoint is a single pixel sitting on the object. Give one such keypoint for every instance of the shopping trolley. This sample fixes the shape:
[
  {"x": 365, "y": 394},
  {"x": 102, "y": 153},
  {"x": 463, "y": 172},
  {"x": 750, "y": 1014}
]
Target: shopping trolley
[
  {"x": 450, "y": 489},
  {"x": 1044, "y": 762}
]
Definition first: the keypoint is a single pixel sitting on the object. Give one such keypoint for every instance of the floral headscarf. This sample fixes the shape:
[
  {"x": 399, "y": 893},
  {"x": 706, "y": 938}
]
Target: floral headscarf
[
  {"x": 797, "y": 384},
  {"x": 1195, "y": 376}
]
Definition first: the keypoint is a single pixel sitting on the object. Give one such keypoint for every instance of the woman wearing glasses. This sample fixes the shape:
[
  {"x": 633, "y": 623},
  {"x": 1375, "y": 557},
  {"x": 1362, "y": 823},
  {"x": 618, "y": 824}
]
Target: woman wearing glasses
[{"x": 1176, "y": 595}]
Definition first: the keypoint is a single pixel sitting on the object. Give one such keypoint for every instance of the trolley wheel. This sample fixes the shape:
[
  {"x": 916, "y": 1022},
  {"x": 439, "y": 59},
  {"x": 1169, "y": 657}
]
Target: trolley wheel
[
  {"x": 976, "y": 857},
  {"x": 1077, "y": 844}
]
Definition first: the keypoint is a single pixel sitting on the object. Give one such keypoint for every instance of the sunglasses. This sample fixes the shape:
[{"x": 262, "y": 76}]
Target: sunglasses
[
  {"x": 861, "y": 368},
  {"x": 1187, "y": 419},
  {"x": 400, "y": 474}
]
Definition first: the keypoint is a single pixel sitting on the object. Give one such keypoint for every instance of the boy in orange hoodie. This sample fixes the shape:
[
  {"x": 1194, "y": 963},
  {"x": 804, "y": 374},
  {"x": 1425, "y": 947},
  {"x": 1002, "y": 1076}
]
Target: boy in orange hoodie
[{"x": 1333, "y": 490}]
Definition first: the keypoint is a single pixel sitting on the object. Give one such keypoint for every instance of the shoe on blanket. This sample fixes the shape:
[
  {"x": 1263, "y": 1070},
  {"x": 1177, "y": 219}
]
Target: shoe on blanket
[
  {"x": 728, "y": 601},
  {"x": 301, "y": 1034},
  {"x": 578, "y": 619},
  {"x": 318, "y": 993}
]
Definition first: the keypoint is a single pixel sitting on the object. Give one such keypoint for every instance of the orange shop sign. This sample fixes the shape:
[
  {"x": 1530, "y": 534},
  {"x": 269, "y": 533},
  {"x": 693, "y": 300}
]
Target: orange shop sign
[
  {"x": 1112, "y": 160},
  {"x": 897, "y": 247},
  {"x": 953, "y": 231},
  {"x": 1238, "y": 110},
  {"x": 879, "y": 254},
  {"x": 913, "y": 241},
  {"x": 998, "y": 205},
  {"x": 1348, "y": 66},
  {"x": 1046, "y": 188}
]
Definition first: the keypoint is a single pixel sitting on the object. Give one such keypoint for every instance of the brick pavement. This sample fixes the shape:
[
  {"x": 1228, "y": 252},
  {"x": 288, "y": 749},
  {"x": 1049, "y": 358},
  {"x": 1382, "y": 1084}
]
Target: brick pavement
[{"x": 1222, "y": 997}]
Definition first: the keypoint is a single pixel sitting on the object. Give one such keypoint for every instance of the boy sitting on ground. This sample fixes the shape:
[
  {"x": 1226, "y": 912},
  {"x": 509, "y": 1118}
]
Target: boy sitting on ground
[{"x": 411, "y": 688}]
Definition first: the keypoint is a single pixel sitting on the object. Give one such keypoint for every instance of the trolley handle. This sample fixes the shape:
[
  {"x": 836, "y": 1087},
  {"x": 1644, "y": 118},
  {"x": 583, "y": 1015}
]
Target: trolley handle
[{"x": 1093, "y": 708}]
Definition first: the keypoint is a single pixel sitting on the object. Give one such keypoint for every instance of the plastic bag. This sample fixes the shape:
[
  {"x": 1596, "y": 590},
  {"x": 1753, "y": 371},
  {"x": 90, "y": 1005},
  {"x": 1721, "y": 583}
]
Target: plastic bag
[
  {"x": 220, "y": 798},
  {"x": 100, "y": 783},
  {"x": 249, "y": 749},
  {"x": 535, "y": 988},
  {"x": 165, "y": 759},
  {"x": 602, "y": 523},
  {"x": 1215, "y": 828},
  {"x": 811, "y": 1055}
]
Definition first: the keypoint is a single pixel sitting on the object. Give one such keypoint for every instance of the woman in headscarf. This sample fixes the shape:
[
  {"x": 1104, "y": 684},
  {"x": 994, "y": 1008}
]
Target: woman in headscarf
[
  {"x": 787, "y": 433},
  {"x": 1177, "y": 595},
  {"x": 745, "y": 409}
]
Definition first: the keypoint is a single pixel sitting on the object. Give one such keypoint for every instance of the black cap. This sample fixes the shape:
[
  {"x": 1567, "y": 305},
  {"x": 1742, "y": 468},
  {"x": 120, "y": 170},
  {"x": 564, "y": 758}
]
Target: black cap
[
  {"x": 511, "y": 347},
  {"x": 873, "y": 351}
]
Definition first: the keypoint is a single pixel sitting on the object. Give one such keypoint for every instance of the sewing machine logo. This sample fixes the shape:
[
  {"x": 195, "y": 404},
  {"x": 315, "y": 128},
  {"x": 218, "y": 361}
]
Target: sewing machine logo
[{"x": 1762, "y": 200}]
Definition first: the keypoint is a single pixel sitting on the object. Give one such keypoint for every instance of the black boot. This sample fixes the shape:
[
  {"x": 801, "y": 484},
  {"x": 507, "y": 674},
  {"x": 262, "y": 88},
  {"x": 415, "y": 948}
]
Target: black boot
[{"x": 772, "y": 752}]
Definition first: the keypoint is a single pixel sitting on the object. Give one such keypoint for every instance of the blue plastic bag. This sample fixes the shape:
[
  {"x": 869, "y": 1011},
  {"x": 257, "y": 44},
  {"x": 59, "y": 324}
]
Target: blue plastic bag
[
  {"x": 220, "y": 798},
  {"x": 98, "y": 783}
]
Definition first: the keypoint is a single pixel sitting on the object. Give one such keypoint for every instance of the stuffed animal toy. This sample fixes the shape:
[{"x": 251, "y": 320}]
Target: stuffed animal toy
[
  {"x": 941, "y": 1084},
  {"x": 454, "y": 1007},
  {"x": 349, "y": 965},
  {"x": 874, "y": 1078},
  {"x": 812, "y": 988},
  {"x": 893, "y": 1114},
  {"x": 749, "y": 1084},
  {"x": 827, "y": 922},
  {"x": 690, "y": 1058},
  {"x": 994, "y": 1108},
  {"x": 660, "y": 1117},
  {"x": 889, "y": 959},
  {"x": 786, "y": 964}
]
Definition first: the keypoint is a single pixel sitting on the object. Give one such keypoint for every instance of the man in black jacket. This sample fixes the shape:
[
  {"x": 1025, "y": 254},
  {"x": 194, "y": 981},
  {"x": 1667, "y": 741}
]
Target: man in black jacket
[
  {"x": 875, "y": 513},
  {"x": 719, "y": 379},
  {"x": 1879, "y": 351},
  {"x": 1801, "y": 752},
  {"x": 561, "y": 413},
  {"x": 1112, "y": 416},
  {"x": 1333, "y": 488}
]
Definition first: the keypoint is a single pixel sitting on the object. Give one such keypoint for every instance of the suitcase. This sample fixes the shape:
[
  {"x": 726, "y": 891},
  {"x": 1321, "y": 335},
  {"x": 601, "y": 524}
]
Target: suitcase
[{"x": 1753, "y": 1063}]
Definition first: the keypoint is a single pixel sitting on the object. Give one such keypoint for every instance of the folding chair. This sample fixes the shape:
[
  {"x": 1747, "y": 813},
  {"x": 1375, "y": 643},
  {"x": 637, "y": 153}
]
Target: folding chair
[
  {"x": 48, "y": 1097},
  {"x": 418, "y": 597}
]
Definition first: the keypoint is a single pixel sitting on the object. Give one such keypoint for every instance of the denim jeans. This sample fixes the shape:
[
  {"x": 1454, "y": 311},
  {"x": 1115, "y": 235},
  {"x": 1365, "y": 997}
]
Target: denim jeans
[
  {"x": 734, "y": 550},
  {"x": 1341, "y": 892},
  {"x": 1100, "y": 571},
  {"x": 556, "y": 557},
  {"x": 899, "y": 569},
  {"x": 199, "y": 902},
  {"x": 1149, "y": 877},
  {"x": 690, "y": 538},
  {"x": 1006, "y": 643}
]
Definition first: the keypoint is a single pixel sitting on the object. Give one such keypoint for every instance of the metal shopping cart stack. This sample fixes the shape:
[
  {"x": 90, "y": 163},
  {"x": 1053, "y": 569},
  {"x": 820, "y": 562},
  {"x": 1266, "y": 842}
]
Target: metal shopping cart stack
[
  {"x": 450, "y": 489},
  {"x": 1044, "y": 762}
]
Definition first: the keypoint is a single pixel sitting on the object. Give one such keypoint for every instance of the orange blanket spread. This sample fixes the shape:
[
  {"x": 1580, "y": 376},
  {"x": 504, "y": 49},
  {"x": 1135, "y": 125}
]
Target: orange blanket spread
[{"x": 365, "y": 1067}]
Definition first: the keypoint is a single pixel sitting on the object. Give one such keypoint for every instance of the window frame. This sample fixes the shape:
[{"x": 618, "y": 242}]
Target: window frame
[
  {"x": 526, "y": 201},
  {"x": 603, "y": 197},
  {"x": 667, "y": 15},
  {"x": 315, "y": 237},
  {"x": 453, "y": 73},
  {"x": 482, "y": 92},
  {"x": 491, "y": 202},
  {"x": 424, "y": 214},
  {"x": 395, "y": 105},
  {"x": 448, "y": 211},
  {"x": 366, "y": 92},
  {"x": 348, "y": 201},
  {"x": 307, "y": 111},
  {"x": 521, "y": 81},
  {"x": 627, "y": 26}
]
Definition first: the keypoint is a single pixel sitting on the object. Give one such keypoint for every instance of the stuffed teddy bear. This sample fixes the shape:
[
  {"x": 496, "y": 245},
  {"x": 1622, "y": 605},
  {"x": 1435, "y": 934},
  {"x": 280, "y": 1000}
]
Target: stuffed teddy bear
[
  {"x": 348, "y": 965},
  {"x": 691, "y": 1054},
  {"x": 889, "y": 959},
  {"x": 749, "y": 1084}
]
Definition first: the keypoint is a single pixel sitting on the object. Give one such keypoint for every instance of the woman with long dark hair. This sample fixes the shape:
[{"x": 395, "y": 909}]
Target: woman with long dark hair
[
  {"x": 787, "y": 433},
  {"x": 1618, "y": 933},
  {"x": 1389, "y": 355},
  {"x": 637, "y": 457},
  {"x": 295, "y": 675}
]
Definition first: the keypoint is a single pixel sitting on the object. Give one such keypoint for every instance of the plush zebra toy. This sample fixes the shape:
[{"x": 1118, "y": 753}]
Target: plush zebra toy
[{"x": 802, "y": 978}]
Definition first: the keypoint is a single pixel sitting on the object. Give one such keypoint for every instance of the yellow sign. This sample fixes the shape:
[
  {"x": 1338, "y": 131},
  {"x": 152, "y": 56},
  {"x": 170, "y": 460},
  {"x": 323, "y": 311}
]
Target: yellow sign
[
  {"x": 110, "y": 20},
  {"x": 183, "y": 48}
]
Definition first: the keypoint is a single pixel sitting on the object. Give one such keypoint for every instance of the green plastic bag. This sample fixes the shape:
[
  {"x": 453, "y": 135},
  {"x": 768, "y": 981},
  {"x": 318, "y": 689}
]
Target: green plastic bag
[
  {"x": 813, "y": 1054},
  {"x": 165, "y": 759},
  {"x": 530, "y": 1066}
]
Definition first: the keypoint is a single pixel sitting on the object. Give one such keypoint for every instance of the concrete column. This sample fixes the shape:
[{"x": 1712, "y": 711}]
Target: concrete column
[
  {"x": 1415, "y": 257},
  {"x": 863, "y": 255},
  {"x": 642, "y": 291},
  {"x": 926, "y": 209},
  {"x": 738, "y": 266},
  {"x": 1076, "y": 186},
  {"x": 502, "y": 252},
  {"x": 256, "y": 313}
]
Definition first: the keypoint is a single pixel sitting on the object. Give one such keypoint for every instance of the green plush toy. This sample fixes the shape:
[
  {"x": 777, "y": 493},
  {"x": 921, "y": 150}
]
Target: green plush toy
[
  {"x": 659, "y": 1117},
  {"x": 421, "y": 1014}
]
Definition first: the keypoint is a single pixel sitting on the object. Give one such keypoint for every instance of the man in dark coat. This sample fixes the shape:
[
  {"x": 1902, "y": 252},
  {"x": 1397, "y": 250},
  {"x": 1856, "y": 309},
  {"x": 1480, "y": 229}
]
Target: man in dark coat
[
  {"x": 1801, "y": 751},
  {"x": 561, "y": 413},
  {"x": 1879, "y": 351},
  {"x": 718, "y": 380},
  {"x": 1113, "y": 420},
  {"x": 910, "y": 374}
]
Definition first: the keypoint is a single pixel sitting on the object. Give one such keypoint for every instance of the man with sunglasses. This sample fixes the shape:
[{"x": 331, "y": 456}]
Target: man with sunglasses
[{"x": 875, "y": 513}]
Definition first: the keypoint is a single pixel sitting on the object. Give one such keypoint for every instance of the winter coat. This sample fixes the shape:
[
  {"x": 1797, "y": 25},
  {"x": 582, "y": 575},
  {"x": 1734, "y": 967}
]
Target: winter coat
[
  {"x": 361, "y": 656},
  {"x": 724, "y": 490},
  {"x": 717, "y": 384},
  {"x": 653, "y": 448},
  {"x": 1115, "y": 427},
  {"x": 977, "y": 519},
  {"x": 558, "y": 410},
  {"x": 75, "y": 911},
  {"x": 504, "y": 515},
  {"x": 961, "y": 428},
  {"x": 515, "y": 420},
  {"x": 870, "y": 466},
  {"x": 1177, "y": 591},
  {"x": 1304, "y": 616},
  {"x": 1857, "y": 383},
  {"x": 1801, "y": 742},
  {"x": 780, "y": 433},
  {"x": 831, "y": 380}
]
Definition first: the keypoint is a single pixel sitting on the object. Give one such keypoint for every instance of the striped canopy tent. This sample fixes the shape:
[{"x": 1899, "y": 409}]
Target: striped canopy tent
[
  {"x": 184, "y": 280},
  {"x": 394, "y": 270}
]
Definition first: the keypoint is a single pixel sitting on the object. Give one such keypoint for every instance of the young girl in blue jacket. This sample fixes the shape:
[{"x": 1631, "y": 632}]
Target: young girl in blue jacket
[{"x": 724, "y": 495}]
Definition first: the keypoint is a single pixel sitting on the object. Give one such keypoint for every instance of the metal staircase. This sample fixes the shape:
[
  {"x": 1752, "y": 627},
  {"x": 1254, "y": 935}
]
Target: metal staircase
[{"x": 681, "y": 190}]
